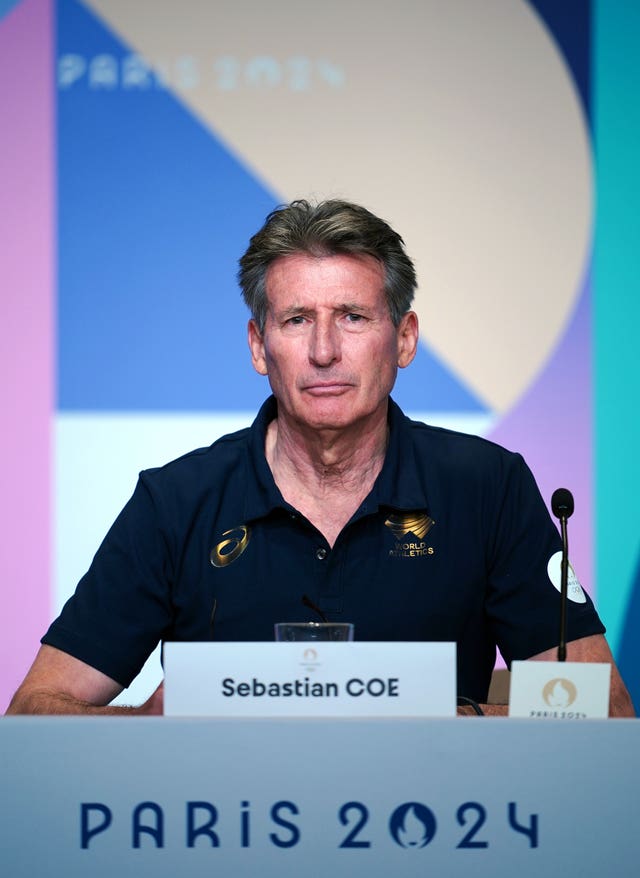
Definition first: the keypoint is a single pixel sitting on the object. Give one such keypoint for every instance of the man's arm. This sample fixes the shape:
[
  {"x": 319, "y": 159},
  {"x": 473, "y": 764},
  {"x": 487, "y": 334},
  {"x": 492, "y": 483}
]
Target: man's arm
[
  {"x": 586, "y": 649},
  {"x": 58, "y": 683},
  {"x": 596, "y": 649}
]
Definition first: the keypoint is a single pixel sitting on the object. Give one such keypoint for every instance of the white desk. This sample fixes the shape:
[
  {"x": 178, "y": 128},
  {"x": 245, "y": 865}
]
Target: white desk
[{"x": 317, "y": 797}]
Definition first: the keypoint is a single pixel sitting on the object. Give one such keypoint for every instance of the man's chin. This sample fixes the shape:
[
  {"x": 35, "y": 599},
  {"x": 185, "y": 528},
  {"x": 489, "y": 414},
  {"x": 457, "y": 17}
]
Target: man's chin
[
  {"x": 325, "y": 411},
  {"x": 332, "y": 412}
]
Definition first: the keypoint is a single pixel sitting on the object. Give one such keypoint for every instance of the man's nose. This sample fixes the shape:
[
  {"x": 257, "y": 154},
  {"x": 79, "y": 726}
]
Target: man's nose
[{"x": 325, "y": 343}]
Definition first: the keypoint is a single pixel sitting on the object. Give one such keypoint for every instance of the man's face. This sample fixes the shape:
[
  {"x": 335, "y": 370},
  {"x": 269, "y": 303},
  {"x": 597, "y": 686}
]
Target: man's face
[{"x": 329, "y": 347}]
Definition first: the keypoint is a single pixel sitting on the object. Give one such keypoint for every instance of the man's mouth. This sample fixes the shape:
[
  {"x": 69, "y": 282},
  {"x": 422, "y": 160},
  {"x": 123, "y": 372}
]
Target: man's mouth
[{"x": 327, "y": 388}]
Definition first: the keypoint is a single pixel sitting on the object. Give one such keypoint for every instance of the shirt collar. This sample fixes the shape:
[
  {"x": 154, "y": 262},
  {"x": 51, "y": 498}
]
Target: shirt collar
[
  {"x": 262, "y": 493},
  {"x": 398, "y": 485}
]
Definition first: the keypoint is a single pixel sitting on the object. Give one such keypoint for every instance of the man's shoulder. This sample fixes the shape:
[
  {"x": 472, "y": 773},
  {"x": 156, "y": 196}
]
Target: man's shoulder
[
  {"x": 445, "y": 444},
  {"x": 201, "y": 465}
]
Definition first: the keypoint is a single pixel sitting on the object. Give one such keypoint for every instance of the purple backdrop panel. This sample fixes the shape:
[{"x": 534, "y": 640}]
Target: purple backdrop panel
[
  {"x": 26, "y": 276},
  {"x": 552, "y": 427}
]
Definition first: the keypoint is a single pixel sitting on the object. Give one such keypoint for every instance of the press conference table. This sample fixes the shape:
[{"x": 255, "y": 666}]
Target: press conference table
[{"x": 186, "y": 797}]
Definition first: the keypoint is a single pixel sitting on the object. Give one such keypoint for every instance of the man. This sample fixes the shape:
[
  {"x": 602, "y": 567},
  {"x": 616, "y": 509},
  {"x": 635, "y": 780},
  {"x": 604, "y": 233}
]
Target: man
[{"x": 409, "y": 532}]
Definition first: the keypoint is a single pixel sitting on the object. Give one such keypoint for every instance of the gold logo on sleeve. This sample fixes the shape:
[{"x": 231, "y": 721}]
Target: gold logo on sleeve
[{"x": 227, "y": 550}]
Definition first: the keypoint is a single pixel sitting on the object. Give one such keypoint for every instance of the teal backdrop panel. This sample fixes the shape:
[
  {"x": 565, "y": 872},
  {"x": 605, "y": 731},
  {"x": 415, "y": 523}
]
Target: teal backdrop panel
[{"x": 617, "y": 323}]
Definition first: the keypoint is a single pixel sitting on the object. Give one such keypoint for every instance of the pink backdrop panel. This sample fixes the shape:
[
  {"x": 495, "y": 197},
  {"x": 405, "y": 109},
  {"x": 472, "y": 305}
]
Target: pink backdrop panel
[{"x": 26, "y": 332}]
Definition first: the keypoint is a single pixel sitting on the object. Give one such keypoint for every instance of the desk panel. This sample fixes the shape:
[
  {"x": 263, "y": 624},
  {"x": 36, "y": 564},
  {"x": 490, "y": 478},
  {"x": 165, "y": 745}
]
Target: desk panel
[{"x": 483, "y": 796}]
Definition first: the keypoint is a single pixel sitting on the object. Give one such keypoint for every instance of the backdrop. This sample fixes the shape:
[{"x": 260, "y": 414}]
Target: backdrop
[{"x": 144, "y": 141}]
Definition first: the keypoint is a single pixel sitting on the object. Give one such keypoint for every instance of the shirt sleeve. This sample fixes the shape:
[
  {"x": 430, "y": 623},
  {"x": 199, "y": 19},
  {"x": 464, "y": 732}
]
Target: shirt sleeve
[
  {"x": 122, "y": 605},
  {"x": 523, "y": 599}
]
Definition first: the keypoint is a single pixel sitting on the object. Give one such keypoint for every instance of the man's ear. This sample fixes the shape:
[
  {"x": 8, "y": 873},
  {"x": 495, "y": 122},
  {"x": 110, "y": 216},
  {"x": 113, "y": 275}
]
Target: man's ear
[
  {"x": 256, "y": 346},
  {"x": 408, "y": 334}
]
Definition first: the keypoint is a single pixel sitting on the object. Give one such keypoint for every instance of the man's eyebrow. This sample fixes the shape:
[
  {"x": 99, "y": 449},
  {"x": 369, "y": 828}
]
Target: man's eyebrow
[
  {"x": 353, "y": 306},
  {"x": 292, "y": 311},
  {"x": 342, "y": 308}
]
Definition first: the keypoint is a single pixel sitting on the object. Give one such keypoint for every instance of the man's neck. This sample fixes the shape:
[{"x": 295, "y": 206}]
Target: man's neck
[{"x": 326, "y": 474}]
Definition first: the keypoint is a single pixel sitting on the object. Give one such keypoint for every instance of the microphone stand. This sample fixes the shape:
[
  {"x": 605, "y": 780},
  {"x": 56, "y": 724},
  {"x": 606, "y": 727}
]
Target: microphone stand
[
  {"x": 564, "y": 581},
  {"x": 562, "y": 508}
]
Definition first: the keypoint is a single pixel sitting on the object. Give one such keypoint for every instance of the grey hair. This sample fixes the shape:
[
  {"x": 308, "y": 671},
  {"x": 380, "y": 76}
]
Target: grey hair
[{"x": 327, "y": 228}]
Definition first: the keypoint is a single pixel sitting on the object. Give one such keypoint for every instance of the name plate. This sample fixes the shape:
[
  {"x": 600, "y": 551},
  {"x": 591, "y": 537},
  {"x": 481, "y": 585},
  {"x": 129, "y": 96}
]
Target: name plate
[
  {"x": 560, "y": 690},
  {"x": 317, "y": 679}
]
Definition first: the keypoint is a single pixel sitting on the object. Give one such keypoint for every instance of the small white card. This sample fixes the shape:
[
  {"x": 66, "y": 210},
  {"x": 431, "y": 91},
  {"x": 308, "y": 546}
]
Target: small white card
[
  {"x": 559, "y": 690},
  {"x": 310, "y": 679}
]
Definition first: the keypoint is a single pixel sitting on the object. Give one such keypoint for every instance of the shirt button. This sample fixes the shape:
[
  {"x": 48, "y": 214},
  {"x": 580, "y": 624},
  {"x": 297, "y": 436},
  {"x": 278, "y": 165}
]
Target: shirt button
[{"x": 321, "y": 554}]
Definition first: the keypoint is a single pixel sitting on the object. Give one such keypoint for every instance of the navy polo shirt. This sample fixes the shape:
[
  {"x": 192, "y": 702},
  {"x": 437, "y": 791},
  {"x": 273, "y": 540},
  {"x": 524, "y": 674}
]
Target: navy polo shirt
[{"x": 452, "y": 543}]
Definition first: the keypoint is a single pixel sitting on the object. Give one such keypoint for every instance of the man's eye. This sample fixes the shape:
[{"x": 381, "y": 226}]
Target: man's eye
[
  {"x": 296, "y": 320},
  {"x": 354, "y": 318}
]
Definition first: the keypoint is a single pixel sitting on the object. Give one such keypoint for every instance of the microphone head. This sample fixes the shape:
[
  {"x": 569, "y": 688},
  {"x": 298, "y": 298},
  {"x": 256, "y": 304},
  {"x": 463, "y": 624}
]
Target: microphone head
[{"x": 562, "y": 503}]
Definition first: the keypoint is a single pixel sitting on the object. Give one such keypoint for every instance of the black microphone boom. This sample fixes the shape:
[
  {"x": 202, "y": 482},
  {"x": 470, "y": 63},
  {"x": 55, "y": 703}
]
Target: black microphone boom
[{"x": 562, "y": 508}]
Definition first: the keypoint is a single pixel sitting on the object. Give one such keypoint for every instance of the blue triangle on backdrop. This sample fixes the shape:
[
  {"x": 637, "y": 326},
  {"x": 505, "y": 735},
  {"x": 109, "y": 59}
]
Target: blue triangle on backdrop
[{"x": 153, "y": 213}]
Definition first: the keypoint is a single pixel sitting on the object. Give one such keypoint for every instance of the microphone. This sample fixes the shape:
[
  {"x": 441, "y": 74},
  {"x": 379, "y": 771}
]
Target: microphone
[
  {"x": 562, "y": 507},
  {"x": 306, "y": 600},
  {"x": 212, "y": 618},
  {"x": 562, "y": 503}
]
